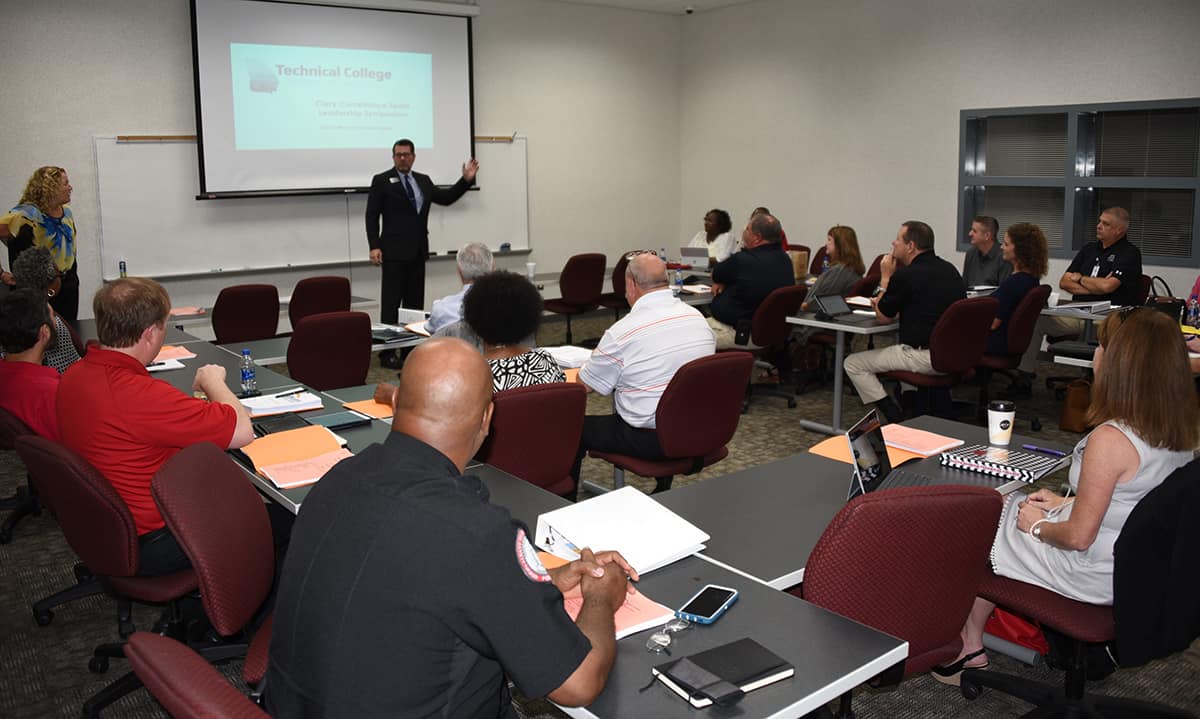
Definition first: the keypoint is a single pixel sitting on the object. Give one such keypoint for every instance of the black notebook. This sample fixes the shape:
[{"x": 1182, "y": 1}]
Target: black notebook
[
  {"x": 723, "y": 674},
  {"x": 278, "y": 423}
]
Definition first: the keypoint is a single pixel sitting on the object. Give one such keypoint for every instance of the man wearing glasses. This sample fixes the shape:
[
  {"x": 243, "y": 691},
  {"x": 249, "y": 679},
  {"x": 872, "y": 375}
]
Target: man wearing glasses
[{"x": 402, "y": 197}]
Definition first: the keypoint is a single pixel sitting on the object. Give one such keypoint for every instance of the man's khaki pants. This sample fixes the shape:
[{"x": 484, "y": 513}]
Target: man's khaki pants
[{"x": 862, "y": 368}]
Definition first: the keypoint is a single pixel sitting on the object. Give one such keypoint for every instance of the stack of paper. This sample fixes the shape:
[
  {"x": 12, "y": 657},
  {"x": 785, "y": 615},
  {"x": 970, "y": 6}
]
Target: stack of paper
[
  {"x": 569, "y": 355},
  {"x": 637, "y": 614},
  {"x": 371, "y": 408},
  {"x": 646, "y": 533},
  {"x": 296, "y": 457},
  {"x": 419, "y": 328},
  {"x": 858, "y": 301},
  {"x": 296, "y": 400}
]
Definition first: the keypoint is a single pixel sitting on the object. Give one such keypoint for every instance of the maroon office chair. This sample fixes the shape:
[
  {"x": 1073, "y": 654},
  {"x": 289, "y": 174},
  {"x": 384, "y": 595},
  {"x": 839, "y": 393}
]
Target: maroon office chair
[
  {"x": 709, "y": 387},
  {"x": 317, "y": 295},
  {"x": 769, "y": 331},
  {"x": 246, "y": 312},
  {"x": 1081, "y": 622},
  {"x": 919, "y": 579},
  {"x": 1144, "y": 289},
  {"x": 24, "y": 501},
  {"x": 330, "y": 350},
  {"x": 874, "y": 268},
  {"x": 535, "y": 433},
  {"x": 864, "y": 287},
  {"x": 818, "y": 261},
  {"x": 1020, "y": 334},
  {"x": 186, "y": 685},
  {"x": 581, "y": 284},
  {"x": 955, "y": 346},
  {"x": 615, "y": 300}
]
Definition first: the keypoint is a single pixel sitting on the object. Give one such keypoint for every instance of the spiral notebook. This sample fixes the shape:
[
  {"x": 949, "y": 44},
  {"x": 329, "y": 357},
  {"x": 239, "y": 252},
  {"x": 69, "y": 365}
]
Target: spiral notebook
[{"x": 1003, "y": 462}]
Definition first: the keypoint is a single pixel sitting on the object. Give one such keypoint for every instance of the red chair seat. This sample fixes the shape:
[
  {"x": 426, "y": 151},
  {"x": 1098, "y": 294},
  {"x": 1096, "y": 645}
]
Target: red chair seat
[
  {"x": 185, "y": 684},
  {"x": 665, "y": 468},
  {"x": 566, "y": 308},
  {"x": 1091, "y": 623}
]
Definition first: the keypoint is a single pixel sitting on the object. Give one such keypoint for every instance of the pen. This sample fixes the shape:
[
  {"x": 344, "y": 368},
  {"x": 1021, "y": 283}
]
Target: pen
[
  {"x": 1043, "y": 450},
  {"x": 289, "y": 393}
]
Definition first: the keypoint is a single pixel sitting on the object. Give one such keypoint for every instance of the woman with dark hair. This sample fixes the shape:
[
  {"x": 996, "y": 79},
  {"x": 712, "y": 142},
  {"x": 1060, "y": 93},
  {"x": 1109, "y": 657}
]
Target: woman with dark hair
[
  {"x": 43, "y": 218},
  {"x": 717, "y": 236},
  {"x": 1145, "y": 414},
  {"x": 504, "y": 310},
  {"x": 35, "y": 269},
  {"x": 1024, "y": 247}
]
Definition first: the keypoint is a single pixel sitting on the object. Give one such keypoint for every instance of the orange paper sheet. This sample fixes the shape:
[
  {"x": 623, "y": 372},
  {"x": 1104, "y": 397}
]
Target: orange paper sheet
[
  {"x": 371, "y": 408},
  {"x": 839, "y": 449},
  {"x": 637, "y": 614},
  {"x": 302, "y": 472},
  {"x": 911, "y": 439},
  {"x": 177, "y": 311},
  {"x": 292, "y": 445},
  {"x": 572, "y": 374},
  {"x": 419, "y": 327},
  {"x": 173, "y": 352}
]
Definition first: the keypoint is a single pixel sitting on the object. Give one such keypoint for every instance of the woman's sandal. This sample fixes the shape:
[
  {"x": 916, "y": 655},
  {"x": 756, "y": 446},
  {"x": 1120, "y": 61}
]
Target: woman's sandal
[{"x": 952, "y": 673}]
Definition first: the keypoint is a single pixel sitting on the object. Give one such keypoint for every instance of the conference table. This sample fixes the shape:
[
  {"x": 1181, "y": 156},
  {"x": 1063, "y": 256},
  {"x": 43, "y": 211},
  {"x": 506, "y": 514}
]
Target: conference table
[
  {"x": 809, "y": 319},
  {"x": 273, "y": 350},
  {"x": 831, "y": 654}
]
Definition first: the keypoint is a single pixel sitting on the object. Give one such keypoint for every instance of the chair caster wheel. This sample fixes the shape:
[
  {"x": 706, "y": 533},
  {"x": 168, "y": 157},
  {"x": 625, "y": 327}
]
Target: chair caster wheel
[
  {"x": 124, "y": 629},
  {"x": 98, "y": 665},
  {"x": 82, "y": 575},
  {"x": 43, "y": 618},
  {"x": 791, "y": 403},
  {"x": 970, "y": 690},
  {"x": 1036, "y": 425},
  {"x": 745, "y": 407}
]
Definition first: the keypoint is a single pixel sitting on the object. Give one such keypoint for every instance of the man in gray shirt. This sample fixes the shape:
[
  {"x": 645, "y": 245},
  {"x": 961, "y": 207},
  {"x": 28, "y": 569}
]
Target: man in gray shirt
[{"x": 983, "y": 264}]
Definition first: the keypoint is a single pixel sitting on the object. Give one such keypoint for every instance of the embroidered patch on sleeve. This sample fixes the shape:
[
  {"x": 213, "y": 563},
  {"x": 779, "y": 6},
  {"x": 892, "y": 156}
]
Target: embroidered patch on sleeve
[{"x": 528, "y": 559}]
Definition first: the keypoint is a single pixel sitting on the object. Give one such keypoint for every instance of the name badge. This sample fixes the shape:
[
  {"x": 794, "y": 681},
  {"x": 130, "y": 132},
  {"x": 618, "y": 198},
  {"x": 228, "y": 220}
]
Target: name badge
[{"x": 393, "y": 180}]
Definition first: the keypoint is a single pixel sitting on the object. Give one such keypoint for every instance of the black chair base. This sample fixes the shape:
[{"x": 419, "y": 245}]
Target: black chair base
[
  {"x": 86, "y": 586},
  {"x": 1067, "y": 700},
  {"x": 23, "y": 503}
]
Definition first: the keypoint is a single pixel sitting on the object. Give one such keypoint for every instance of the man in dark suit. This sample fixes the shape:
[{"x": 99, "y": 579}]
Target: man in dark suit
[{"x": 403, "y": 198}]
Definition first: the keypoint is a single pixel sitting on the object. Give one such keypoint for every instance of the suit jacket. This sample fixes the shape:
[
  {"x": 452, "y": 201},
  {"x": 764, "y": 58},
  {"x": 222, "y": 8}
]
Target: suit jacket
[{"x": 405, "y": 235}]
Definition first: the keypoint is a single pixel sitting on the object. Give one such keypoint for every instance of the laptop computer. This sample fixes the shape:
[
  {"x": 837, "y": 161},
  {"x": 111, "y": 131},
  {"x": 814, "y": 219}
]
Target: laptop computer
[
  {"x": 834, "y": 307},
  {"x": 873, "y": 469},
  {"x": 695, "y": 256}
]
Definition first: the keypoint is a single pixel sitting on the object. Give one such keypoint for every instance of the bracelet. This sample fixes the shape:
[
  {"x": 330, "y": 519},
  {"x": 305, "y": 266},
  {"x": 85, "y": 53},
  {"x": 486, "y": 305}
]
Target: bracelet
[{"x": 1035, "y": 526}]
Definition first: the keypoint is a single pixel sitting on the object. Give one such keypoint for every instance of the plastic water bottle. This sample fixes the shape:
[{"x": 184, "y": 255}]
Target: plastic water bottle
[
  {"x": 121, "y": 267},
  {"x": 249, "y": 381},
  {"x": 677, "y": 286},
  {"x": 1193, "y": 312}
]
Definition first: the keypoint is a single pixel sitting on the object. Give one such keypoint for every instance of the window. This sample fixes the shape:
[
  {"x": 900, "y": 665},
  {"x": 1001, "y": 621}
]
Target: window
[{"x": 1059, "y": 167}]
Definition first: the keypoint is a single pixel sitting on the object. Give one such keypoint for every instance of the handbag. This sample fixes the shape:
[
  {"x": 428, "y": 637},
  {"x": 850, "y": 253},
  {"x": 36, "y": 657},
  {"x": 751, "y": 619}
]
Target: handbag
[
  {"x": 1164, "y": 301},
  {"x": 1073, "y": 417}
]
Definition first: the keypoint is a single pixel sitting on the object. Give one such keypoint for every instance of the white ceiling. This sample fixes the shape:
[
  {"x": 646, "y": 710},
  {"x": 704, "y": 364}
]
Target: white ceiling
[{"x": 670, "y": 7}]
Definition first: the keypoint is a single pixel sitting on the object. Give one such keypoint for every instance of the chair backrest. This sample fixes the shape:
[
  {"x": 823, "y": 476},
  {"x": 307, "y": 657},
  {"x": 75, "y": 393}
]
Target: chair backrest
[
  {"x": 874, "y": 268},
  {"x": 618, "y": 276},
  {"x": 960, "y": 335},
  {"x": 11, "y": 427},
  {"x": 535, "y": 431},
  {"x": 185, "y": 683},
  {"x": 330, "y": 350},
  {"x": 711, "y": 388},
  {"x": 1024, "y": 318},
  {"x": 220, "y": 522},
  {"x": 769, "y": 326},
  {"x": 864, "y": 287},
  {"x": 818, "y": 261},
  {"x": 883, "y": 562},
  {"x": 582, "y": 279},
  {"x": 315, "y": 295},
  {"x": 246, "y": 312},
  {"x": 93, "y": 517}
]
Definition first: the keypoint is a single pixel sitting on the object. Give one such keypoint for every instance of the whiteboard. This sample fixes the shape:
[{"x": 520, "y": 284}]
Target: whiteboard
[{"x": 150, "y": 218}]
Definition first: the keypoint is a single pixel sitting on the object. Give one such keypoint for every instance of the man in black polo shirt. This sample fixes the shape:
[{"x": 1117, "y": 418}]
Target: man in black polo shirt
[
  {"x": 744, "y": 280},
  {"x": 406, "y": 594},
  {"x": 1108, "y": 269},
  {"x": 918, "y": 293}
]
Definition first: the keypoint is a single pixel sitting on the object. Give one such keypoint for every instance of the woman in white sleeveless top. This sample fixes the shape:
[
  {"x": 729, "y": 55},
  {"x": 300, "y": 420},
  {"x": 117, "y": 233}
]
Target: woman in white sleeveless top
[{"x": 1145, "y": 413}]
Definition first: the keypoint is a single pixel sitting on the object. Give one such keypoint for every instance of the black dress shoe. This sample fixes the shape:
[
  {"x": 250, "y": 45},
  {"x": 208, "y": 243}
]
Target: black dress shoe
[{"x": 389, "y": 359}]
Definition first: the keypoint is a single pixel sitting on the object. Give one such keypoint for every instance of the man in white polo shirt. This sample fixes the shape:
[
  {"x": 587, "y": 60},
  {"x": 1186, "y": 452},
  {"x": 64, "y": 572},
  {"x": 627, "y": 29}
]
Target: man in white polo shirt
[{"x": 636, "y": 359}]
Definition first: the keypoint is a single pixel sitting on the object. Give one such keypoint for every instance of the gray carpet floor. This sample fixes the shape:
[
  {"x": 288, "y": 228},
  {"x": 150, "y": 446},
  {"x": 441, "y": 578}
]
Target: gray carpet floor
[{"x": 43, "y": 670}]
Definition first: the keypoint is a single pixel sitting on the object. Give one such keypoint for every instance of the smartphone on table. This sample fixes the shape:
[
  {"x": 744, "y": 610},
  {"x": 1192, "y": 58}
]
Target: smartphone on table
[{"x": 708, "y": 604}]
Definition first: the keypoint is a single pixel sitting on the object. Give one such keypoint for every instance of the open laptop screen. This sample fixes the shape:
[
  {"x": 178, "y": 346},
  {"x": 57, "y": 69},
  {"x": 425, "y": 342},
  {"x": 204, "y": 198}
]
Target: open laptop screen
[{"x": 867, "y": 447}]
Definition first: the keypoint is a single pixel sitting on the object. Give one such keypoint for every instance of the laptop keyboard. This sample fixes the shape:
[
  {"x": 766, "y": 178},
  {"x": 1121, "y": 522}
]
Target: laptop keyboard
[{"x": 903, "y": 478}]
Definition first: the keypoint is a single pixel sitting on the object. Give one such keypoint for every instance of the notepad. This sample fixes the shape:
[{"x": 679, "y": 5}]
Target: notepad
[
  {"x": 173, "y": 352},
  {"x": 743, "y": 665},
  {"x": 646, "y": 533},
  {"x": 420, "y": 328},
  {"x": 371, "y": 408},
  {"x": 1003, "y": 462},
  {"x": 164, "y": 365},
  {"x": 838, "y": 449},
  {"x": 297, "y": 457},
  {"x": 917, "y": 441},
  {"x": 858, "y": 301},
  {"x": 637, "y": 614},
  {"x": 269, "y": 404}
]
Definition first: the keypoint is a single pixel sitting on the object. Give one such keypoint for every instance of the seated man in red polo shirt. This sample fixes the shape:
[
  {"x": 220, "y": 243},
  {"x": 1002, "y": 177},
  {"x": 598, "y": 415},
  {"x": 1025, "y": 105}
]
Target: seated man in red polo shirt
[
  {"x": 27, "y": 387},
  {"x": 127, "y": 423}
]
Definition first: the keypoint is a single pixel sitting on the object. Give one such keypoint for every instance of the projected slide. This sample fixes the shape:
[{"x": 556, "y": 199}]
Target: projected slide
[{"x": 310, "y": 98}]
